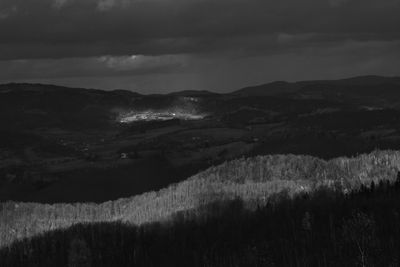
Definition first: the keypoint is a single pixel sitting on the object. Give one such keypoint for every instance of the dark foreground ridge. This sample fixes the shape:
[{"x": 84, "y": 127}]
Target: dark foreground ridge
[{"x": 323, "y": 228}]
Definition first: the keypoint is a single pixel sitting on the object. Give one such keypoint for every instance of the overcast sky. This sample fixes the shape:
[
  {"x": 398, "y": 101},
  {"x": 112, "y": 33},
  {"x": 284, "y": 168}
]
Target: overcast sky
[{"x": 219, "y": 45}]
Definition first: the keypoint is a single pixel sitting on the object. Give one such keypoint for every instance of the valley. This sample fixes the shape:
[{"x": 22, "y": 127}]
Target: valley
[{"x": 98, "y": 148}]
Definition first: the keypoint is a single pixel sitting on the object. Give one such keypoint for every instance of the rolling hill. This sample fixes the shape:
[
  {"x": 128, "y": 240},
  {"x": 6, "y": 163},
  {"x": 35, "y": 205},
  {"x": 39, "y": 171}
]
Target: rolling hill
[
  {"x": 372, "y": 90},
  {"x": 255, "y": 180},
  {"x": 49, "y": 133}
]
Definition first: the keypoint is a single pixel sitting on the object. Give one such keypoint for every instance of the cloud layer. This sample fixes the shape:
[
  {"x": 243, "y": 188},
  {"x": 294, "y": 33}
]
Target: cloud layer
[{"x": 173, "y": 36}]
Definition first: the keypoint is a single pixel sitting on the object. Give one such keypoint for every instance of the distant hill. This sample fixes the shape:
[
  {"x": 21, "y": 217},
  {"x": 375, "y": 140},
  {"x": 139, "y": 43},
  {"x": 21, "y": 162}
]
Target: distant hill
[
  {"x": 373, "y": 91},
  {"x": 275, "y": 88},
  {"x": 49, "y": 88},
  {"x": 255, "y": 180},
  {"x": 367, "y": 80},
  {"x": 268, "y": 89},
  {"x": 31, "y": 106},
  {"x": 194, "y": 93},
  {"x": 281, "y": 87},
  {"x": 27, "y": 106},
  {"x": 38, "y": 104}
]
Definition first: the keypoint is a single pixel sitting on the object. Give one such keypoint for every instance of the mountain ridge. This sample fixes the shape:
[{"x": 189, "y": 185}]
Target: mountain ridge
[
  {"x": 271, "y": 88},
  {"x": 282, "y": 87}
]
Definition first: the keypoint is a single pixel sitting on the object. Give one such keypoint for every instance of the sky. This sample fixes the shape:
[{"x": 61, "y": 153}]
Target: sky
[{"x": 159, "y": 46}]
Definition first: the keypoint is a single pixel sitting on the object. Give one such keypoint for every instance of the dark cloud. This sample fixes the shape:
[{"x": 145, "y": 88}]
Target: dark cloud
[
  {"x": 65, "y": 28},
  {"x": 219, "y": 72},
  {"x": 93, "y": 66},
  {"x": 67, "y": 41}
]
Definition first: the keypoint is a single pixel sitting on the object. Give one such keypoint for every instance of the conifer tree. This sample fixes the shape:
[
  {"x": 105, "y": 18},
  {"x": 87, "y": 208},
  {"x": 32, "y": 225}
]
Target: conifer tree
[{"x": 79, "y": 254}]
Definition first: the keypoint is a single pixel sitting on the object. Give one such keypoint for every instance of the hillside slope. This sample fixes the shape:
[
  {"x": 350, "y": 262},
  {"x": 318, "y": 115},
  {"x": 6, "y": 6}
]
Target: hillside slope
[
  {"x": 255, "y": 180},
  {"x": 363, "y": 90}
]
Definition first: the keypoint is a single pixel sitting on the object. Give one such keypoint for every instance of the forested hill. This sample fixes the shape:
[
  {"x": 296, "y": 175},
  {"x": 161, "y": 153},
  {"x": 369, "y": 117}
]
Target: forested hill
[
  {"x": 322, "y": 228},
  {"x": 254, "y": 180}
]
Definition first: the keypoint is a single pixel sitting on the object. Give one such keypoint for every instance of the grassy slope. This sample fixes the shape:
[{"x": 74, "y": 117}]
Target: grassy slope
[{"x": 253, "y": 179}]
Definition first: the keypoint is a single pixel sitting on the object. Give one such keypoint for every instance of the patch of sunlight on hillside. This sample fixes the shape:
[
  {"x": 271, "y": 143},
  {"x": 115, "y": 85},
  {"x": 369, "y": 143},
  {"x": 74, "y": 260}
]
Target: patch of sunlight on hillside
[{"x": 150, "y": 115}]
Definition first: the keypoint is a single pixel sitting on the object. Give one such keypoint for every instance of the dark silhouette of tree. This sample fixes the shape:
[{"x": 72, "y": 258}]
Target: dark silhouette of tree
[
  {"x": 359, "y": 232},
  {"x": 79, "y": 254}
]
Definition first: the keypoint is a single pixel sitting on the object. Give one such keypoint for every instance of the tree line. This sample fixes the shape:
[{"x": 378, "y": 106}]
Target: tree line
[
  {"x": 323, "y": 228},
  {"x": 254, "y": 180}
]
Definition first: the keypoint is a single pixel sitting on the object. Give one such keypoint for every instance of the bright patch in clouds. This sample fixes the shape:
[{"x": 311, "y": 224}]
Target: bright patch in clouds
[
  {"x": 93, "y": 66},
  {"x": 121, "y": 62}
]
